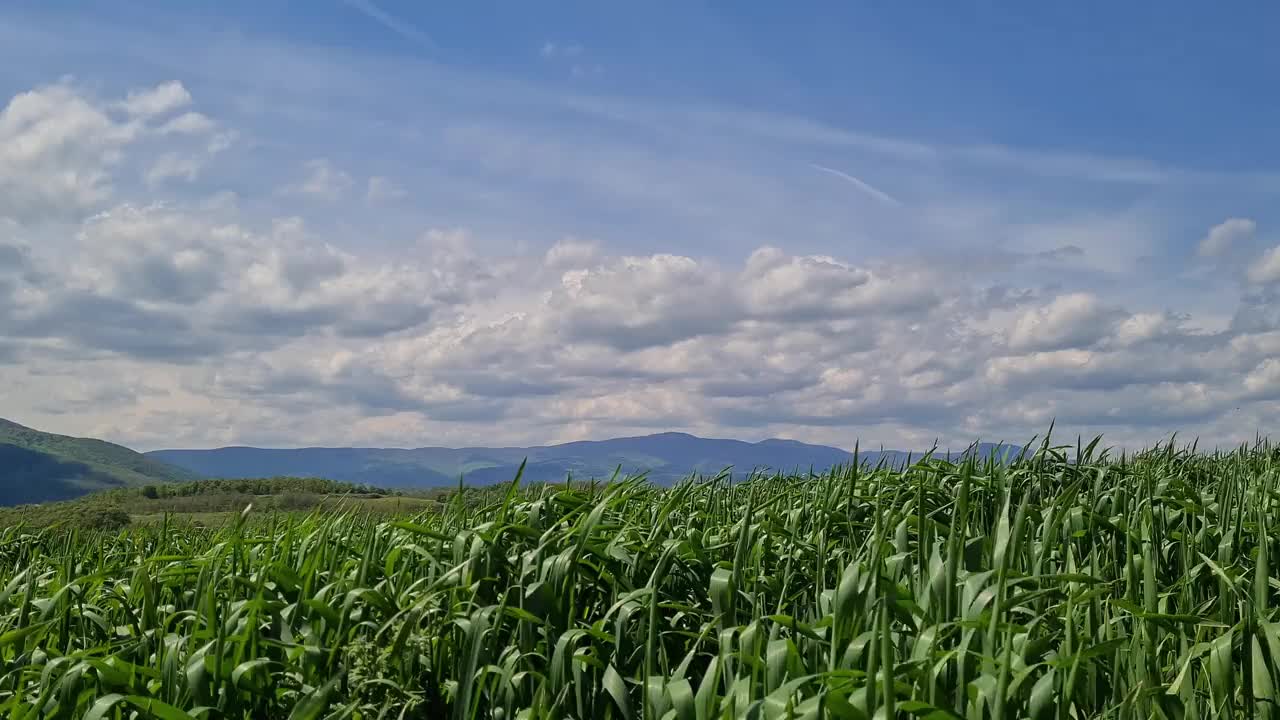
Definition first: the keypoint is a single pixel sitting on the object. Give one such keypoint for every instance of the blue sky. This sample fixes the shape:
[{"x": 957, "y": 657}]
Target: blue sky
[
  {"x": 411, "y": 223},
  {"x": 1177, "y": 81}
]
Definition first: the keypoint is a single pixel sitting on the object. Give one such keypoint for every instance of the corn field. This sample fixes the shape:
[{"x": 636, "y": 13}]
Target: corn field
[{"x": 1066, "y": 584}]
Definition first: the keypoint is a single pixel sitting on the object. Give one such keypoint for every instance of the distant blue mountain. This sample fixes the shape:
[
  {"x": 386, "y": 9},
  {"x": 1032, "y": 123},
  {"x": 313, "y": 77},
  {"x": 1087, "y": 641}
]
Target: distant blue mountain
[{"x": 664, "y": 458}]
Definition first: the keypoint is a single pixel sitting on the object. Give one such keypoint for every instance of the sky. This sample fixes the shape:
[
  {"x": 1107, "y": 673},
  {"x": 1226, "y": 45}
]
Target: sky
[{"x": 363, "y": 222}]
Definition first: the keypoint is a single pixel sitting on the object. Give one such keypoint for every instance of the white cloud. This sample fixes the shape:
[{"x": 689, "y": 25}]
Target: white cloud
[
  {"x": 323, "y": 180},
  {"x": 571, "y": 252},
  {"x": 254, "y": 325},
  {"x": 190, "y": 123},
  {"x": 774, "y": 284},
  {"x": 1264, "y": 380},
  {"x": 1146, "y": 327},
  {"x": 1078, "y": 369},
  {"x": 159, "y": 100},
  {"x": 60, "y": 148},
  {"x": 1253, "y": 345},
  {"x": 171, "y": 284},
  {"x": 56, "y": 149},
  {"x": 1072, "y": 320},
  {"x": 188, "y": 162},
  {"x": 1266, "y": 269},
  {"x": 637, "y": 302},
  {"x": 1223, "y": 235},
  {"x": 174, "y": 165}
]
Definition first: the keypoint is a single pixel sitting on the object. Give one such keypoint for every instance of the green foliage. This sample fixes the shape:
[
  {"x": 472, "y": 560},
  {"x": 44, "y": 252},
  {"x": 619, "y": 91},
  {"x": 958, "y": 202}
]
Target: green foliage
[
  {"x": 268, "y": 486},
  {"x": 210, "y": 500},
  {"x": 1063, "y": 585},
  {"x": 105, "y": 518},
  {"x": 38, "y": 466}
]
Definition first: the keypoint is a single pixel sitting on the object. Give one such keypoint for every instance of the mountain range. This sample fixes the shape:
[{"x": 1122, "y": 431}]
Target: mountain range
[
  {"x": 37, "y": 466},
  {"x": 664, "y": 458}
]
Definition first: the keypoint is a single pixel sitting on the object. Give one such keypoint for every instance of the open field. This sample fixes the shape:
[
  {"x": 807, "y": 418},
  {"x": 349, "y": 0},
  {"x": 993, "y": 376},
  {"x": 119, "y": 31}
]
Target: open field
[
  {"x": 384, "y": 506},
  {"x": 1050, "y": 588},
  {"x": 214, "y": 502}
]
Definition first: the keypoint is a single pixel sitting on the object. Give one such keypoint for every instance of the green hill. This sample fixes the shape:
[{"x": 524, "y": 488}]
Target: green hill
[{"x": 37, "y": 466}]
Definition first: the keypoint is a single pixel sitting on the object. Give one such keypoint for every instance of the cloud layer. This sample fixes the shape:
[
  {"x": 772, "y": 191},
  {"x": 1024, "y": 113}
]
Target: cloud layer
[{"x": 141, "y": 302}]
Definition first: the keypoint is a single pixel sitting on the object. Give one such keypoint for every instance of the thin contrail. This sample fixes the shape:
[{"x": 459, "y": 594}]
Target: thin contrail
[
  {"x": 865, "y": 187},
  {"x": 391, "y": 22}
]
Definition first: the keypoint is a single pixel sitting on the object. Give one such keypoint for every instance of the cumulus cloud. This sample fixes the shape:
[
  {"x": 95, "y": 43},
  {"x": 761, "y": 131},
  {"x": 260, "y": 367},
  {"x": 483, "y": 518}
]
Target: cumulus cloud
[
  {"x": 1078, "y": 369},
  {"x": 275, "y": 319},
  {"x": 1223, "y": 235},
  {"x": 1147, "y": 327},
  {"x": 1135, "y": 413},
  {"x": 774, "y": 284},
  {"x": 56, "y": 148},
  {"x": 323, "y": 180},
  {"x": 189, "y": 123},
  {"x": 1266, "y": 269},
  {"x": 638, "y": 302},
  {"x": 1253, "y": 345},
  {"x": 1264, "y": 380},
  {"x": 173, "y": 165},
  {"x": 188, "y": 163},
  {"x": 1071, "y": 320},
  {"x": 159, "y": 100},
  {"x": 170, "y": 283},
  {"x": 571, "y": 252},
  {"x": 60, "y": 147}
]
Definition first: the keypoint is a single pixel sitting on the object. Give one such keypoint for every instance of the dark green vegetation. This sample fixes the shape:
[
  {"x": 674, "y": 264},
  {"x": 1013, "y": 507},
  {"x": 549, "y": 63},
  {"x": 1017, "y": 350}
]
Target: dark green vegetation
[
  {"x": 1063, "y": 585},
  {"x": 665, "y": 458},
  {"x": 213, "y": 502},
  {"x": 38, "y": 466}
]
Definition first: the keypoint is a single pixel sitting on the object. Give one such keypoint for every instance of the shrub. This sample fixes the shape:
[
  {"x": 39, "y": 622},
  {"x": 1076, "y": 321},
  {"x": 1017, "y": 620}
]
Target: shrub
[{"x": 105, "y": 519}]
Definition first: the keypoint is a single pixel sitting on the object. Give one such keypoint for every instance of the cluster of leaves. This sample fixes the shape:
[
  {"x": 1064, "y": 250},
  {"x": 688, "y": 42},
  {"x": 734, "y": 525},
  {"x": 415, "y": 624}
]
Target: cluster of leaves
[{"x": 1060, "y": 585}]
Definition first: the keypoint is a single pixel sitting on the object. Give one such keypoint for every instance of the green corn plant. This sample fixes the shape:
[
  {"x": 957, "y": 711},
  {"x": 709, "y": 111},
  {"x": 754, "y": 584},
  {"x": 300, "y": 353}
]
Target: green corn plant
[{"x": 1059, "y": 583}]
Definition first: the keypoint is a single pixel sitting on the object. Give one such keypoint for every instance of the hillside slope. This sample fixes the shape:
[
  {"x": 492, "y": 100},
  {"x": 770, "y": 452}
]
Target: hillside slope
[
  {"x": 38, "y": 466},
  {"x": 665, "y": 457}
]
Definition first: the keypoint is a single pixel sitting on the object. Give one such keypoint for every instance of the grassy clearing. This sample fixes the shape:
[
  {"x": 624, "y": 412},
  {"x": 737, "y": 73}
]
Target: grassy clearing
[
  {"x": 384, "y": 506},
  {"x": 1049, "y": 588}
]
